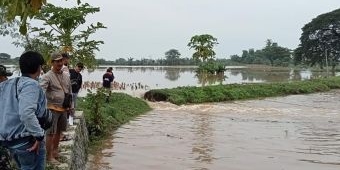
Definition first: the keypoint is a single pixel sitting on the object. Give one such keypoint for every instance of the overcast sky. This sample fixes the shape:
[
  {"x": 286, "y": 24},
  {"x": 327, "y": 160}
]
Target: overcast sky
[{"x": 149, "y": 28}]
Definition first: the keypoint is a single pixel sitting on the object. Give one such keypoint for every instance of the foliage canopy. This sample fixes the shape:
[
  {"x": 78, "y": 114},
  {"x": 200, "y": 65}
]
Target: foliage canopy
[
  {"x": 61, "y": 31},
  {"x": 203, "y": 46},
  {"x": 172, "y": 56},
  {"x": 22, "y": 8},
  {"x": 320, "y": 39}
]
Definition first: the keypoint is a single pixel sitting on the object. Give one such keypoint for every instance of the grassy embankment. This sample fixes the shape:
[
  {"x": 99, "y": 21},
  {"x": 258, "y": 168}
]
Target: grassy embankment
[
  {"x": 218, "y": 93},
  {"x": 103, "y": 117}
]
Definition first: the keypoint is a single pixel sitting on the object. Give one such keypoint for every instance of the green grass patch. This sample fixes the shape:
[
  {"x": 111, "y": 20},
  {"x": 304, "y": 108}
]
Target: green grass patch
[
  {"x": 103, "y": 115},
  {"x": 218, "y": 93}
]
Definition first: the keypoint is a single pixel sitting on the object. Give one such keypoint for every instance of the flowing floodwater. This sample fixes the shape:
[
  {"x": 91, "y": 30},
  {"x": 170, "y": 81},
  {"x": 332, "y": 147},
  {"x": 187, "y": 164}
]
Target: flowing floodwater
[{"x": 298, "y": 132}]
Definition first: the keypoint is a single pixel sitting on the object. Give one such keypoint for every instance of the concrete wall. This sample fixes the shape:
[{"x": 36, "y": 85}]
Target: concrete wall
[{"x": 73, "y": 153}]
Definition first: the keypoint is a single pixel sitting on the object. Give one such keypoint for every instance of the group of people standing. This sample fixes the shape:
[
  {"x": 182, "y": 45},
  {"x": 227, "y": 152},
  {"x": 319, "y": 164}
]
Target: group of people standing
[{"x": 24, "y": 99}]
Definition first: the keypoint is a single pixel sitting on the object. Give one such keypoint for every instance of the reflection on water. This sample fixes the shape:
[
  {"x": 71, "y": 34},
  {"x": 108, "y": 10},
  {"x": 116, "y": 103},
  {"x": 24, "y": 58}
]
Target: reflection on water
[
  {"x": 169, "y": 77},
  {"x": 274, "y": 133},
  {"x": 174, "y": 76},
  {"x": 210, "y": 79}
]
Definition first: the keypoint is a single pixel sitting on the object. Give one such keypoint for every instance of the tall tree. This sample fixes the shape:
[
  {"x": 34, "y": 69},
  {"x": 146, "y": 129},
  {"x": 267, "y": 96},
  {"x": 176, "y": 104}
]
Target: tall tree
[
  {"x": 203, "y": 46},
  {"x": 320, "y": 41},
  {"x": 61, "y": 30},
  {"x": 130, "y": 61},
  {"x": 172, "y": 56},
  {"x": 276, "y": 54}
]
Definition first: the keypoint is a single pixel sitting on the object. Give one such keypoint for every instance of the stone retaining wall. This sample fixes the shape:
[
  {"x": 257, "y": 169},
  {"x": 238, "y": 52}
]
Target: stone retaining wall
[{"x": 73, "y": 153}]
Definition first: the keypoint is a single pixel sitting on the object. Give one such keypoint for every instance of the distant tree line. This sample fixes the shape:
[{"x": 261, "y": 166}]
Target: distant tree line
[
  {"x": 155, "y": 62},
  {"x": 145, "y": 61},
  {"x": 171, "y": 57},
  {"x": 272, "y": 54},
  {"x": 6, "y": 59}
]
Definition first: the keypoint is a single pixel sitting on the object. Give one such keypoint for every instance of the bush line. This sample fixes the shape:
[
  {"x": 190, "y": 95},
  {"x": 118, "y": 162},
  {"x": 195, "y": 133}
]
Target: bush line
[{"x": 218, "y": 93}]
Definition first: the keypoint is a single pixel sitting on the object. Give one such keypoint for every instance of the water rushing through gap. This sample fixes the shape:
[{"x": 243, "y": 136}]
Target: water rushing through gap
[{"x": 299, "y": 132}]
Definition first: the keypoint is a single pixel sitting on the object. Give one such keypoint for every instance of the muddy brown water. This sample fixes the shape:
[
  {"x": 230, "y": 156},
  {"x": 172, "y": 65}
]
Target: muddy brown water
[{"x": 298, "y": 132}]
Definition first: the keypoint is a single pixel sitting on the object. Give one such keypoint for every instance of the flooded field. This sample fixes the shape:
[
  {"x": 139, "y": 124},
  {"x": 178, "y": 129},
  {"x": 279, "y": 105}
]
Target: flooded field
[{"x": 299, "y": 132}]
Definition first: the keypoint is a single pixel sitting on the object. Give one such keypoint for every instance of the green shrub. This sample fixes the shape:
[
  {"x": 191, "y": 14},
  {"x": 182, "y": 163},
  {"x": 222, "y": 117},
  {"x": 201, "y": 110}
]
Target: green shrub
[
  {"x": 103, "y": 116},
  {"x": 212, "y": 67}
]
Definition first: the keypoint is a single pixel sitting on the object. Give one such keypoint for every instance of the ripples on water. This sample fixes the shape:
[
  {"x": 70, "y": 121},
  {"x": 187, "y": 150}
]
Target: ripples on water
[{"x": 290, "y": 133}]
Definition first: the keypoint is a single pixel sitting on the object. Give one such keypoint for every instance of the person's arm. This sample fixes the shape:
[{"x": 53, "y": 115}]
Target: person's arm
[
  {"x": 70, "y": 85},
  {"x": 80, "y": 81},
  {"x": 28, "y": 105},
  {"x": 44, "y": 83},
  {"x": 68, "y": 81},
  {"x": 111, "y": 78},
  {"x": 73, "y": 74}
]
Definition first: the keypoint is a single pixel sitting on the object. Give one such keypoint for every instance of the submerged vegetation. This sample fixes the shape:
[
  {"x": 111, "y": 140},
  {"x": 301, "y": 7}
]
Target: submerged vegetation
[{"x": 218, "y": 93}]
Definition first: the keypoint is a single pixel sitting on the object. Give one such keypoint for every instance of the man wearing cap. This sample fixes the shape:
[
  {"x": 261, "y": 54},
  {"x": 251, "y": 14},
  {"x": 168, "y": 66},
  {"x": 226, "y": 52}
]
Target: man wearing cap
[
  {"x": 4, "y": 73},
  {"x": 22, "y": 100},
  {"x": 56, "y": 85}
]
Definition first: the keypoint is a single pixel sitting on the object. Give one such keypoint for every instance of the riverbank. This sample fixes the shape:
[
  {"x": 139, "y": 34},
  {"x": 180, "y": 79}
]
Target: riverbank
[
  {"x": 105, "y": 114},
  {"x": 218, "y": 93}
]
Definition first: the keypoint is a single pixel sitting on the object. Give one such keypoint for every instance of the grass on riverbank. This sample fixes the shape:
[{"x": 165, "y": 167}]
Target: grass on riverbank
[
  {"x": 103, "y": 117},
  {"x": 218, "y": 93}
]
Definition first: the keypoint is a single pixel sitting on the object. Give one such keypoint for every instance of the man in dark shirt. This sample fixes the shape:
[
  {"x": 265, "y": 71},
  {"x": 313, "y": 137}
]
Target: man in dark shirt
[
  {"x": 76, "y": 83},
  {"x": 76, "y": 77},
  {"x": 108, "y": 78}
]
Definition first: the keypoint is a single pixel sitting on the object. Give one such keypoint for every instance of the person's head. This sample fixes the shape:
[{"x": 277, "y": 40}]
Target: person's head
[
  {"x": 30, "y": 63},
  {"x": 66, "y": 58},
  {"x": 109, "y": 69},
  {"x": 79, "y": 67},
  {"x": 4, "y": 73},
  {"x": 56, "y": 61}
]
